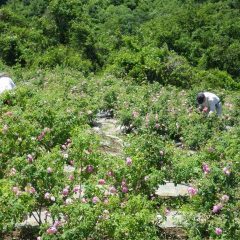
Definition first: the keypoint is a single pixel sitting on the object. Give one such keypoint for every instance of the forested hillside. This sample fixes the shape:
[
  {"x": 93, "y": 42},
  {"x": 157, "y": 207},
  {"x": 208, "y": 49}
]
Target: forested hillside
[
  {"x": 141, "y": 63},
  {"x": 172, "y": 42}
]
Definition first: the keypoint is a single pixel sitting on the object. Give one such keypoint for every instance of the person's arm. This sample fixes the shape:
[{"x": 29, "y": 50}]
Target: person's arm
[
  {"x": 12, "y": 84},
  {"x": 200, "y": 107}
]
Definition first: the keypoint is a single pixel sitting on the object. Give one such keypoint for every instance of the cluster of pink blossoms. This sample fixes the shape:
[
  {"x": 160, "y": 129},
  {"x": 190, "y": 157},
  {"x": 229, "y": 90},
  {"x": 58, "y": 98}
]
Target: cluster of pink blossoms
[
  {"x": 124, "y": 186},
  {"x": 49, "y": 196},
  {"x": 77, "y": 188},
  {"x": 54, "y": 228},
  {"x": 67, "y": 144},
  {"x": 206, "y": 168},
  {"x": 42, "y": 134},
  {"x": 28, "y": 189},
  {"x": 192, "y": 191},
  {"x": 217, "y": 208}
]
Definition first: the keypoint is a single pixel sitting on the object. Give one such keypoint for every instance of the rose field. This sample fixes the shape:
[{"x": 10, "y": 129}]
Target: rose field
[{"x": 104, "y": 118}]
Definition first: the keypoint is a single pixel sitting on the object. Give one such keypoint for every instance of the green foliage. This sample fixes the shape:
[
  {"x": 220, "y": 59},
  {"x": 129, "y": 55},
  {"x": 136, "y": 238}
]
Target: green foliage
[{"x": 154, "y": 57}]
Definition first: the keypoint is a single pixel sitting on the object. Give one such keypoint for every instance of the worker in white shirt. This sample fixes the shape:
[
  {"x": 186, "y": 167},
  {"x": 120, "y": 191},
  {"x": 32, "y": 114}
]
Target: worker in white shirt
[
  {"x": 209, "y": 102},
  {"x": 6, "y": 83}
]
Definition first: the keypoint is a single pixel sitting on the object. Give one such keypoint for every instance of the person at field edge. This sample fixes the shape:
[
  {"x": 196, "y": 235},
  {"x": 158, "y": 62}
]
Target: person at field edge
[
  {"x": 6, "y": 83},
  {"x": 209, "y": 102}
]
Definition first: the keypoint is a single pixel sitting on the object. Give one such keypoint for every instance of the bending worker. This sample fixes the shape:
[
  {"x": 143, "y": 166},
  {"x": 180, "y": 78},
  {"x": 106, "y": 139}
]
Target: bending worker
[
  {"x": 6, "y": 83},
  {"x": 209, "y": 102}
]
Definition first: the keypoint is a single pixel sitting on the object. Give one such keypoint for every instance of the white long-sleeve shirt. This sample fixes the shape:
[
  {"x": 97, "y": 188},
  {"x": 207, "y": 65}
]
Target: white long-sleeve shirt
[
  {"x": 6, "y": 83},
  {"x": 212, "y": 102}
]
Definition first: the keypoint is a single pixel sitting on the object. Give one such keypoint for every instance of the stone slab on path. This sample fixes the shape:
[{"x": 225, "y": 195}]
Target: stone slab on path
[
  {"x": 31, "y": 221},
  {"x": 171, "y": 190},
  {"x": 109, "y": 131},
  {"x": 171, "y": 225},
  {"x": 172, "y": 220},
  {"x": 108, "y": 126}
]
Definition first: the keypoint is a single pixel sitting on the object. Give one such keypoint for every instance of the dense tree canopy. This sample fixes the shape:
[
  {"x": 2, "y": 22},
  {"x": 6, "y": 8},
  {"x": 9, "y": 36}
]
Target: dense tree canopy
[{"x": 94, "y": 35}]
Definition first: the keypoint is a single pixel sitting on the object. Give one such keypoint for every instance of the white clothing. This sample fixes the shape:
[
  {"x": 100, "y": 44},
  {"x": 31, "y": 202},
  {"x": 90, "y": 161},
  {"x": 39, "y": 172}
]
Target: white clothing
[
  {"x": 212, "y": 102},
  {"x": 6, "y": 83}
]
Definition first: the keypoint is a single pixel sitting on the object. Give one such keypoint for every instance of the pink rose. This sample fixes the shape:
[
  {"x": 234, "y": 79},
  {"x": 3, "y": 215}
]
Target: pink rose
[
  {"x": 206, "y": 168},
  {"x": 89, "y": 168},
  {"x": 218, "y": 231},
  {"x": 124, "y": 183},
  {"x": 192, "y": 191},
  {"x": 95, "y": 200},
  {"x": 57, "y": 224},
  {"x": 71, "y": 177},
  {"x": 110, "y": 173},
  {"x": 76, "y": 189},
  {"x": 47, "y": 195},
  {"x": 65, "y": 191},
  {"x": 128, "y": 161},
  {"x": 101, "y": 182},
  {"x": 63, "y": 147},
  {"x": 51, "y": 230},
  {"x": 217, "y": 208},
  {"x": 167, "y": 211},
  {"x": 30, "y": 189},
  {"x": 124, "y": 189},
  {"x": 30, "y": 158}
]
